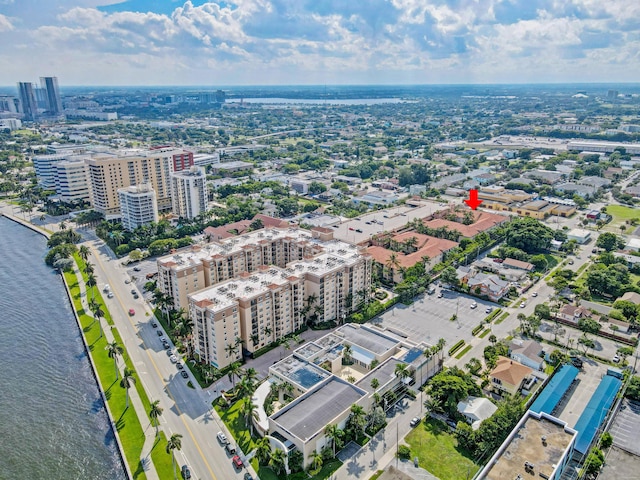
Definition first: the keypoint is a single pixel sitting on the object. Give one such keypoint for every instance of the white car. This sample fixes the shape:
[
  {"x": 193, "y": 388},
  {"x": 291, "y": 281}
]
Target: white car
[
  {"x": 173, "y": 359},
  {"x": 522, "y": 305},
  {"x": 474, "y": 305},
  {"x": 222, "y": 438},
  {"x": 534, "y": 294},
  {"x": 439, "y": 294},
  {"x": 616, "y": 359}
]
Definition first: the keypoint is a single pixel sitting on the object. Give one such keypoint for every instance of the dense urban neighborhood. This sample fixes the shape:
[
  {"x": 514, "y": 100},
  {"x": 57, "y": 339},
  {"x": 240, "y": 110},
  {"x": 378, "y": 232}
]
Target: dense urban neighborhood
[{"x": 346, "y": 282}]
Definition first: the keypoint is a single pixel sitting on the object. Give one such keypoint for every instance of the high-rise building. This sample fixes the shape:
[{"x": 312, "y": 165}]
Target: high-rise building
[
  {"x": 52, "y": 95},
  {"x": 138, "y": 205},
  {"x": 28, "y": 104},
  {"x": 189, "y": 192},
  {"x": 45, "y": 167},
  {"x": 8, "y": 104},
  {"x": 72, "y": 181},
  {"x": 330, "y": 278},
  {"x": 182, "y": 159},
  {"x": 109, "y": 173}
]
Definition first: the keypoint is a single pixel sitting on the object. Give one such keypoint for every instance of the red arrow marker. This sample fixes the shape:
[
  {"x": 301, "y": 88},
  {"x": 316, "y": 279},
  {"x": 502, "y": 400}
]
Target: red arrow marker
[{"x": 473, "y": 201}]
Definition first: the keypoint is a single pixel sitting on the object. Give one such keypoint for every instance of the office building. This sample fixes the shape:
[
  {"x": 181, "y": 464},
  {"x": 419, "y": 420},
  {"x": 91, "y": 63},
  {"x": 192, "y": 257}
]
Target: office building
[
  {"x": 72, "y": 181},
  {"x": 28, "y": 105},
  {"x": 52, "y": 95},
  {"x": 108, "y": 173},
  {"x": 138, "y": 205},
  {"x": 45, "y": 167},
  {"x": 8, "y": 104},
  {"x": 337, "y": 275},
  {"x": 10, "y": 124},
  {"x": 189, "y": 192},
  {"x": 539, "y": 446}
]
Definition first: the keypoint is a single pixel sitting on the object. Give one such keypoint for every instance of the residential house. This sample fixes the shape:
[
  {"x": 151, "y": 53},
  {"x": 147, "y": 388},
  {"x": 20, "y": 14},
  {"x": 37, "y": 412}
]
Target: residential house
[
  {"x": 509, "y": 376},
  {"x": 476, "y": 409},
  {"x": 527, "y": 352},
  {"x": 518, "y": 264},
  {"x": 597, "y": 182},
  {"x": 482, "y": 284},
  {"x": 545, "y": 176},
  {"x": 632, "y": 297},
  {"x": 583, "y": 191}
]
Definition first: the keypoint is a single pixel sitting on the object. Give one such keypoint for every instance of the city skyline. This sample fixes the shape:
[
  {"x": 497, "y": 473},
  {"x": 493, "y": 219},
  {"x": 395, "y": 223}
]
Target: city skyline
[{"x": 136, "y": 42}]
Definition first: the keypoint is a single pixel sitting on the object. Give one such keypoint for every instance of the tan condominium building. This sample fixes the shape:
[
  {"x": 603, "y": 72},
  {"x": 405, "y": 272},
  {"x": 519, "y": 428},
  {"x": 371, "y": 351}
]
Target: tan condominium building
[
  {"x": 336, "y": 274},
  {"x": 248, "y": 312},
  {"x": 108, "y": 173}
]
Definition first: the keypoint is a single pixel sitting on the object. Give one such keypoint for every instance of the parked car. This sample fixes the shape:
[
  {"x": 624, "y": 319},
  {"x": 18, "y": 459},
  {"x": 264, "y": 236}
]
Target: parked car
[
  {"x": 136, "y": 269},
  {"x": 452, "y": 424},
  {"x": 127, "y": 281},
  {"x": 358, "y": 230},
  {"x": 534, "y": 294},
  {"x": 230, "y": 448},
  {"x": 169, "y": 352},
  {"x": 154, "y": 324},
  {"x": 222, "y": 438},
  {"x": 439, "y": 294},
  {"x": 247, "y": 476},
  {"x": 522, "y": 305},
  {"x": 173, "y": 359},
  {"x": 186, "y": 473},
  {"x": 415, "y": 421},
  {"x": 616, "y": 358},
  {"x": 136, "y": 296},
  {"x": 576, "y": 362},
  {"x": 180, "y": 366},
  {"x": 159, "y": 332},
  {"x": 166, "y": 345},
  {"x": 110, "y": 295},
  {"x": 132, "y": 312},
  {"x": 237, "y": 461},
  {"x": 133, "y": 291},
  {"x": 473, "y": 305},
  {"x": 489, "y": 310},
  {"x": 184, "y": 374}
]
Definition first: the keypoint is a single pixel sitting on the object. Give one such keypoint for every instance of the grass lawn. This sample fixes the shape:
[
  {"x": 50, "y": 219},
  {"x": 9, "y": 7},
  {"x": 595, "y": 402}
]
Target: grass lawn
[
  {"x": 96, "y": 290},
  {"x": 235, "y": 422},
  {"x": 162, "y": 460},
  {"x": 621, "y": 213},
  {"x": 463, "y": 352},
  {"x": 552, "y": 260},
  {"x": 502, "y": 318},
  {"x": 130, "y": 431},
  {"x": 438, "y": 452},
  {"x": 484, "y": 333}
]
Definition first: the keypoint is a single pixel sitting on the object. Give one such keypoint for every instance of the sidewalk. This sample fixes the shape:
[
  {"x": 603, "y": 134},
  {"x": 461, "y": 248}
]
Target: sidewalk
[{"x": 134, "y": 398}]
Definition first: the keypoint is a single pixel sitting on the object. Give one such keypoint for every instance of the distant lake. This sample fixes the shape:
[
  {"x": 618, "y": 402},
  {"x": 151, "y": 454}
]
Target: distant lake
[{"x": 319, "y": 101}]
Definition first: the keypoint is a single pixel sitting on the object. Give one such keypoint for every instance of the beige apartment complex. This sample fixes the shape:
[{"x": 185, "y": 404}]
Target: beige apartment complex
[
  {"x": 305, "y": 269},
  {"x": 108, "y": 173}
]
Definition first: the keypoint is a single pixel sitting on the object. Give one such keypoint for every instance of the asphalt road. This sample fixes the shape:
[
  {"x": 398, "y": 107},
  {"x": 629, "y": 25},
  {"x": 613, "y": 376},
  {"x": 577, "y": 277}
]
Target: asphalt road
[{"x": 187, "y": 411}]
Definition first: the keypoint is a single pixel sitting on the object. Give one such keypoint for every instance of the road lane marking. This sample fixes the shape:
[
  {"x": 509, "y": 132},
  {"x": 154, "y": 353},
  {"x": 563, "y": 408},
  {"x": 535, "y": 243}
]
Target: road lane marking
[{"x": 165, "y": 385}]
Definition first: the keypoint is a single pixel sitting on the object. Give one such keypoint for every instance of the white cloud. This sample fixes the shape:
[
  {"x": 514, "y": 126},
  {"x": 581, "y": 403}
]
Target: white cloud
[
  {"x": 5, "y": 24},
  {"x": 262, "y": 41}
]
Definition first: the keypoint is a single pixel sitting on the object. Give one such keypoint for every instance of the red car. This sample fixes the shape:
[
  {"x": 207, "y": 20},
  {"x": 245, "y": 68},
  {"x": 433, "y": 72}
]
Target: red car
[
  {"x": 132, "y": 312},
  {"x": 237, "y": 461}
]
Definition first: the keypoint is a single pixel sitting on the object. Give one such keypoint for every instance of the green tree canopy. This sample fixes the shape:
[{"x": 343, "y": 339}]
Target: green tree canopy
[{"x": 528, "y": 234}]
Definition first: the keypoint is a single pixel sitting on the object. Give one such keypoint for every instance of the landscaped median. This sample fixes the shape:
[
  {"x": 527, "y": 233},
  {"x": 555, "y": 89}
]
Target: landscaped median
[{"x": 129, "y": 430}]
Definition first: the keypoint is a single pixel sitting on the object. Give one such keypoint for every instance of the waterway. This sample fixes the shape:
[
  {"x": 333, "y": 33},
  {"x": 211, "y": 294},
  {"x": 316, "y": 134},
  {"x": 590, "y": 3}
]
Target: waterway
[{"x": 53, "y": 424}]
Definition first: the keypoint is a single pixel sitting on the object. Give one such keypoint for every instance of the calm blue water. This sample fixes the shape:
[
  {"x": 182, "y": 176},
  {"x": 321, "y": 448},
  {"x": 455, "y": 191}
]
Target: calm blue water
[{"x": 52, "y": 421}]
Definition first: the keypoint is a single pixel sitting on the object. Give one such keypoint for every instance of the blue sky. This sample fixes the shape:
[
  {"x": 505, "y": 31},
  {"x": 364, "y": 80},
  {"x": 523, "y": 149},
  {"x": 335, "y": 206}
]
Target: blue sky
[{"x": 197, "y": 42}]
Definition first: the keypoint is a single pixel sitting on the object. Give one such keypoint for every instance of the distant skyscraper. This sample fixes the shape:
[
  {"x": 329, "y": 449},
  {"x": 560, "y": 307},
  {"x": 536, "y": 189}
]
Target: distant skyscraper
[
  {"x": 27, "y": 100},
  {"x": 54, "y": 102}
]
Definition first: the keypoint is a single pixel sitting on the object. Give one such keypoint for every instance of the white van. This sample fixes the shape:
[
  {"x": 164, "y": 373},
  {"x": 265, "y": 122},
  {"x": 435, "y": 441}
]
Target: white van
[{"x": 106, "y": 288}]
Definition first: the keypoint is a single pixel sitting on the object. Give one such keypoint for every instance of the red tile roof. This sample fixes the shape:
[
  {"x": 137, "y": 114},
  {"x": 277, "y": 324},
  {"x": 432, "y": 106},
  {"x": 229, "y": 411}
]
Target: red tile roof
[
  {"x": 430, "y": 247},
  {"x": 483, "y": 221}
]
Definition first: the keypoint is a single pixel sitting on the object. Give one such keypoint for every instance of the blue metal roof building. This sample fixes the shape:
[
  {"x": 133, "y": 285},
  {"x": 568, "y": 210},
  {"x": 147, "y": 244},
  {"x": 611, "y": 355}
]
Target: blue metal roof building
[
  {"x": 557, "y": 387},
  {"x": 595, "y": 412}
]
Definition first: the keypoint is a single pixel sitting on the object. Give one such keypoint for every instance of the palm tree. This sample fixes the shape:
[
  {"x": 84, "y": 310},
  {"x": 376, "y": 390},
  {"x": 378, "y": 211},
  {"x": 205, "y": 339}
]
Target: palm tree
[
  {"x": 84, "y": 252},
  {"x": 113, "y": 351},
  {"x": 62, "y": 225},
  {"x": 91, "y": 282},
  {"x": 316, "y": 459},
  {"x": 117, "y": 237},
  {"x": 393, "y": 264},
  {"x": 174, "y": 443},
  {"x": 375, "y": 383},
  {"x": 402, "y": 371},
  {"x": 277, "y": 460},
  {"x": 127, "y": 381},
  {"x": 155, "y": 412},
  {"x": 335, "y": 434},
  {"x": 357, "y": 419},
  {"x": 251, "y": 375},
  {"x": 493, "y": 339},
  {"x": 98, "y": 313},
  {"x": 250, "y": 412},
  {"x": 346, "y": 353},
  {"x": 263, "y": 451},
  {"x": 234, "y": 371},
  {"x": 89, "y": 269}
]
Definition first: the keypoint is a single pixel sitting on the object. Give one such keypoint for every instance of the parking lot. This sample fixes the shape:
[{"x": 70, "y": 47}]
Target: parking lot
[
  {"x": 625, "y": 427},
  {"x": 429, "y": 317},
  {"x": 138, "y": 274},
  {"x": 572, "y": 406}
]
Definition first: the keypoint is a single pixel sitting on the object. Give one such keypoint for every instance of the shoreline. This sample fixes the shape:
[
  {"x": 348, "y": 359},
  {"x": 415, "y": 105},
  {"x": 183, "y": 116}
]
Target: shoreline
[{"x": 94, "y": 372}]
